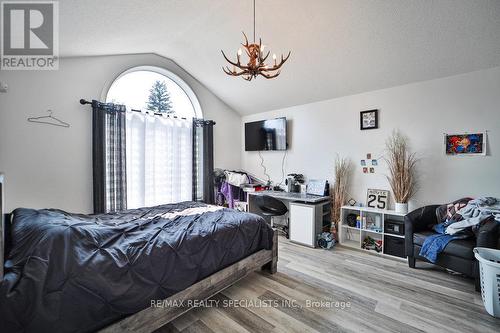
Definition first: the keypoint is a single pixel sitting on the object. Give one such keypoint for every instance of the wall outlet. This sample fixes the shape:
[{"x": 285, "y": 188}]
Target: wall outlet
[{"x": 3, "y": 87}]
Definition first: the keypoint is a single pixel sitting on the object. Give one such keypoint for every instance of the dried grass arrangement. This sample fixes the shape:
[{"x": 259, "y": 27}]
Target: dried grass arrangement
[
  {"x": 402, "y": 168},
  {"x": 339, "y": 193}
]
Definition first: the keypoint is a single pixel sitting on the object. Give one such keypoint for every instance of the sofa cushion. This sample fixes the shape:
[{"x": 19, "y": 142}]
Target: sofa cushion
[{"x": 458, "y": 247}]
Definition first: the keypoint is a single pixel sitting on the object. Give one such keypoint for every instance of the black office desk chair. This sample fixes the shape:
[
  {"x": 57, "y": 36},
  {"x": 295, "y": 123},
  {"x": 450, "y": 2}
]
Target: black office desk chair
[{"x": 272, "y": 207}]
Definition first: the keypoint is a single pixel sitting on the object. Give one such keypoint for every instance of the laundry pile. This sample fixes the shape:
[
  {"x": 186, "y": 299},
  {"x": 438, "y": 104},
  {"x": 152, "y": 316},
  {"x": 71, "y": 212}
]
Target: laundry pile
[
  {"x": 459, "y": 221},
  {"x": 228, "y": 184}
]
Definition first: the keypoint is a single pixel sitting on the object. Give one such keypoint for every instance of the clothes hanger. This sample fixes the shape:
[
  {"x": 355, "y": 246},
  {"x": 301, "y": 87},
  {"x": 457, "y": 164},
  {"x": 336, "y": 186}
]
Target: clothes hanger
[{"x": 49, "y": 120}]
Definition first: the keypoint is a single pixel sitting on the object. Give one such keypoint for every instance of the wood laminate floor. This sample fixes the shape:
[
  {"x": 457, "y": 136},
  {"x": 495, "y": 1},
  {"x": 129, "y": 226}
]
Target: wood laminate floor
[{"x": 384, "y": 296}]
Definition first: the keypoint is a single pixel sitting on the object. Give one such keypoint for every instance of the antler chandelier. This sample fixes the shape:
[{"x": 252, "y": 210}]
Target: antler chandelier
[{"x": 256, "y": 64}]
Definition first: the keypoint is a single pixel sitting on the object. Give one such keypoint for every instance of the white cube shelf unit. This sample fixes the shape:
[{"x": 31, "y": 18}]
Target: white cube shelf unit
[{"x": 372, "y": 223}]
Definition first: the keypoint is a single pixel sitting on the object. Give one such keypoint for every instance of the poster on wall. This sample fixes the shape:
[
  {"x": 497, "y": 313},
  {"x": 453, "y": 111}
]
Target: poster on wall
[{"x": 465, "y": 144}]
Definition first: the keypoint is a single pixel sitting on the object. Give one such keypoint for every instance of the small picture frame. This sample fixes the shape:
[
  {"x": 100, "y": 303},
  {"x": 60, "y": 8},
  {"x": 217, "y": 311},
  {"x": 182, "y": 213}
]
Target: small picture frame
[
  {"x": 368, "y": 119},
  {"x": 365, "y": 170},
  {"x": 372, "y": 170},
  {"x": 363, "y": 163}
]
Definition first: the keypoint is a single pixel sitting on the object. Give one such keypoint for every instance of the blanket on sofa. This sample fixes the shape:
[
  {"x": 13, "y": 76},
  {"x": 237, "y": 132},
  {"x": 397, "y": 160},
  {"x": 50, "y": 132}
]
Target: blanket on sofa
[
  {"x": 474, "y": 213},
  {"x": 462, "y": 217}
]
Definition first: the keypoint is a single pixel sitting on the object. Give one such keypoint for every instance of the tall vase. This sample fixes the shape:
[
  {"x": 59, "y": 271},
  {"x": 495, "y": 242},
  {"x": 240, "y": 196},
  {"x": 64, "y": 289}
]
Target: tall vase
[{"x": 402, "y": 208}]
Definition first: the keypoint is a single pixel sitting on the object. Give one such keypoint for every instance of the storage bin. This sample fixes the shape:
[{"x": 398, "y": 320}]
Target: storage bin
[
  {"x": 394, "y": 246},
  {"x": 489, "y": 271}
]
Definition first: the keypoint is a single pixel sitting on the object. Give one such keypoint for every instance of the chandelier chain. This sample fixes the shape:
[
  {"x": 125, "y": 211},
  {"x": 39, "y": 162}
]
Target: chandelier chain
[{"x": 254, "y": 21}]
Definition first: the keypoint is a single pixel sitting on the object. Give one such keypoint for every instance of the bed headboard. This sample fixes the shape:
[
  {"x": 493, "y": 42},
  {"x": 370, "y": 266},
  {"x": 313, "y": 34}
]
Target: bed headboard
[{"x": 2, "y": 226}]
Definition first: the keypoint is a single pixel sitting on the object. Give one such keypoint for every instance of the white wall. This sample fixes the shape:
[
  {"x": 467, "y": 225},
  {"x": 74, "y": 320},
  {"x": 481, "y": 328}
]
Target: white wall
[
  {"x": 47, "y": 166},
  {"x": 423, "y": 111}
]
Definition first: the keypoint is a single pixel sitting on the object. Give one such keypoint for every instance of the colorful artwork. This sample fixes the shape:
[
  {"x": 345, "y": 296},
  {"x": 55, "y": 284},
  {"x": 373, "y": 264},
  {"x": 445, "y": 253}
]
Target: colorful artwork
[{"x": 465, "y": 144}]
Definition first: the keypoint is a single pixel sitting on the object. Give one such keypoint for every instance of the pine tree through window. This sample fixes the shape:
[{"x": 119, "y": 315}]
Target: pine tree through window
[
  {"x": 159, "y": 98},
  {"x": 154, "y": 90}
]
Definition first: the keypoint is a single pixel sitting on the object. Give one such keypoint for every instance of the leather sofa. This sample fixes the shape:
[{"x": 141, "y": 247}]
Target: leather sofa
[{"x": 457, "y": 255}]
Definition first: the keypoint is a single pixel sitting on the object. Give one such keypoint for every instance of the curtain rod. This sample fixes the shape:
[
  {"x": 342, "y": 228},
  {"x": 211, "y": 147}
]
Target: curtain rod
[
  {"x": 198, "y": 120},
  {"x": 84, "y": 102}
]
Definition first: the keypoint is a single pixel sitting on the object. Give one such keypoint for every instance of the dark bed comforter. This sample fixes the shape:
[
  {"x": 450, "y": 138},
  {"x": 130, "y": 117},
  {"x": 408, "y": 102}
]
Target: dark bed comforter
[{"x": 78, "y": 273}]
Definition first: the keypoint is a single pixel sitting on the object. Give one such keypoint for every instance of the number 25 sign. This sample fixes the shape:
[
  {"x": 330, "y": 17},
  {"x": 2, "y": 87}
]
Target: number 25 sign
[{"x": 377, "y": 198}]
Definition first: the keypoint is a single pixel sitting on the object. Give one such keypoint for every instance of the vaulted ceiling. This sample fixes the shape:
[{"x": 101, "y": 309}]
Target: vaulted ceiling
[{"x": 339, "y": 47}]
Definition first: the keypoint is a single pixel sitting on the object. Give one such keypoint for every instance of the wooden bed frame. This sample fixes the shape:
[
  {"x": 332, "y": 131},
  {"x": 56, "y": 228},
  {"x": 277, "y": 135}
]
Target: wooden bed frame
[{"x": 153, "y": 318}]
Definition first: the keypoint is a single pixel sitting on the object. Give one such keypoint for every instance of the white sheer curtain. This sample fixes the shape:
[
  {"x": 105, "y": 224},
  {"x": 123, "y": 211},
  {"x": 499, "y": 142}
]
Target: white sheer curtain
[{"x": 159, "y": 160}]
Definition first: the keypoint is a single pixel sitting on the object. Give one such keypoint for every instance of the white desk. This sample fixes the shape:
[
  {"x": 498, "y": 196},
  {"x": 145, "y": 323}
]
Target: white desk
[
  {"x": 288, "y": 196},
  {"x": 307, "y": 213}
]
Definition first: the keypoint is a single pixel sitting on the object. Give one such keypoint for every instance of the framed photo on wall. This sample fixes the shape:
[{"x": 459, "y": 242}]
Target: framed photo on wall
[
  {"x": 465, "y": 143},
  {"x": 368, "y": 119}
]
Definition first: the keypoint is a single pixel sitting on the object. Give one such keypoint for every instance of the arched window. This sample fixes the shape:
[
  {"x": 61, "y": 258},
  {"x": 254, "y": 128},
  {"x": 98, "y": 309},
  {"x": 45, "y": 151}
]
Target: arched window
[
  {"x": 159, "y": 135},
  {"x": 154, "y": 89}
]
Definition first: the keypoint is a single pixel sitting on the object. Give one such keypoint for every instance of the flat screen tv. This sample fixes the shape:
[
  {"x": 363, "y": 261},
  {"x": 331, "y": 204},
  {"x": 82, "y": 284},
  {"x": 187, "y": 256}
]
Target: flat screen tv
[{"x": 266, "y": 135}]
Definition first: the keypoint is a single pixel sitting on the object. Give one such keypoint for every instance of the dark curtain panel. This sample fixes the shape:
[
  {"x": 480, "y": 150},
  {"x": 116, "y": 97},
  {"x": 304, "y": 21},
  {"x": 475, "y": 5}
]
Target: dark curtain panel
[
  {"x": 108, "y": 157},
  {"x": 203, "y": 161}
]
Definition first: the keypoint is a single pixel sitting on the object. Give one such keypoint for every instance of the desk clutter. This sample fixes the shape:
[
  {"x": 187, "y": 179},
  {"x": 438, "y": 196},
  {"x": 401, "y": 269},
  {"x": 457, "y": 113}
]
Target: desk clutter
[
  {"x": 229, "y": 188},
  {"x": 293, "y": 182},
  {"x": 232, "y": 187},
  {"x": 304, "y": 214}
]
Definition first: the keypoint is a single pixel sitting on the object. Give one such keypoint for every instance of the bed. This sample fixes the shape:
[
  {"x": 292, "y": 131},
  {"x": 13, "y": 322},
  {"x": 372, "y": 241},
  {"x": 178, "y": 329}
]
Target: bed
[{"x": 118, "y": 272}]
